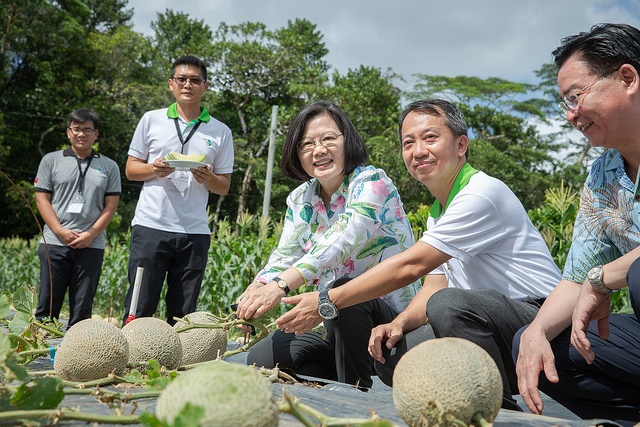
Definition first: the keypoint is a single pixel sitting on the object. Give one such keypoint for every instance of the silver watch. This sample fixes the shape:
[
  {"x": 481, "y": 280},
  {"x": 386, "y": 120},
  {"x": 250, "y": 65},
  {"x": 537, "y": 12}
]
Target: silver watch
[
  {"x": 326, "y": 309},
  {"x": 595, "y": 278}
]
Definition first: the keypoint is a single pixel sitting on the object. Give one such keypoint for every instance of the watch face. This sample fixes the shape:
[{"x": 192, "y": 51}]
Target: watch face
[
  {"x": 282, "y": 284},
  {"x": 327, "y": 311},
  {"x": 594, "y": 274}
]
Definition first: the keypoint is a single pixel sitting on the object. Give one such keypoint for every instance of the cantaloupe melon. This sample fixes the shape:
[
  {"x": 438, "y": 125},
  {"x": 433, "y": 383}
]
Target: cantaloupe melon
[
  {"x": 90, "y": 350},
  {"x": 446, "y": 376},
  {"x": 152, "y": 338},
  {"x": 231, "y": 394},
  {"x": 201, "y": 344},
  {"x": 190, "y": 157}
]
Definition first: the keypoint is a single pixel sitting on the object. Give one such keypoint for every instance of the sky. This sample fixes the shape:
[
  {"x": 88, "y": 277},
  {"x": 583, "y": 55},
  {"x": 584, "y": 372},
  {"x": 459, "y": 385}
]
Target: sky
[{"x": 509, "y": 39}]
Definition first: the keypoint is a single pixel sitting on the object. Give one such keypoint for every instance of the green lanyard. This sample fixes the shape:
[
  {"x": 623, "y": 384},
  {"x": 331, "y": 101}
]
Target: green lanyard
[{"x": 461, "y": 181}]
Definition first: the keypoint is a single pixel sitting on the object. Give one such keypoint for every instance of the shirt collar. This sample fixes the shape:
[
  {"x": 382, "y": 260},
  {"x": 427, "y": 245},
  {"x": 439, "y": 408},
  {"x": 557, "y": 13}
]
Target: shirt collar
[
  {"x": 172, "y": 113},
  {"x": 462, "y": 179},
  {"x": 68, "y": 152}
]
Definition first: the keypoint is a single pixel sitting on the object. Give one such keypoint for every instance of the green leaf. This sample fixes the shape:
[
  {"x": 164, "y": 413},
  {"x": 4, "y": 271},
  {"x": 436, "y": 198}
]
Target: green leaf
[
  {"x": 375, "y": 246},
  {"x": 365, "y": 210},
  {"x": 134, "y": 376},
  {"x": 189, "y": 416},
  {"x": 41, "y": 393},
  {"x": 24, "y": 300},
  {"x": 5, "y": 396},
  {"x": 20, "y": 322},
  {"x": 5, "y": 306},
  {"x": 13, "y": 365},
  {"x": 306, "y": 212}
]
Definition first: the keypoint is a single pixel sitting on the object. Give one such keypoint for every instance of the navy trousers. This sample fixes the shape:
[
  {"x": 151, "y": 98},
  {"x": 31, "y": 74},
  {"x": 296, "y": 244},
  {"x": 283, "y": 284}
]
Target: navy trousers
[{"x": 610, "y": 387}]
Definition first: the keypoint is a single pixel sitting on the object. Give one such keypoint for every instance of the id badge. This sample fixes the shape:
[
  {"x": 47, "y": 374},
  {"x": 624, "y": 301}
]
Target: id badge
[{"x": 75, "y": 207}]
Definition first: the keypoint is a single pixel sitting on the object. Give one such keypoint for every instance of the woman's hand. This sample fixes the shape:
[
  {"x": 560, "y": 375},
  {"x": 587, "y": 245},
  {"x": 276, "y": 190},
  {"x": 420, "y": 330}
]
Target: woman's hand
[{"x": 257, "y": 299}]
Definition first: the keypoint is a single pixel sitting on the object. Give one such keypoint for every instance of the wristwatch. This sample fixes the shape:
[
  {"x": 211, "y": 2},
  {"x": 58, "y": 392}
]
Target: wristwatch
[
  {"x": 282, "y": 284},
  {"x": 595, "y": 278},
  {"x": 326, "y": 309}
]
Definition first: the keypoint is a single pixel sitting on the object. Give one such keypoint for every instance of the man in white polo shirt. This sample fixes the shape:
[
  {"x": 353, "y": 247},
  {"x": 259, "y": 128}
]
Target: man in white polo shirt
[
  {"x": 170, "y": 233},
  {"x": 487, "y": 267}
]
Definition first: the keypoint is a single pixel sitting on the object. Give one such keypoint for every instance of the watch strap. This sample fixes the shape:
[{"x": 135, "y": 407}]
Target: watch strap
[
  {"x": 595, "y": 279},
  {"x": 280, "y": 283}
]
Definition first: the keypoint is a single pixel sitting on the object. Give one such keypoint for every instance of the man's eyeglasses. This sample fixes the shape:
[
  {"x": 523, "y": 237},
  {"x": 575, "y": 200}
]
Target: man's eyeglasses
[
  {"x": 86, "y": 131},
  {"x": 328, "y": 141},
  {"x": 181, "y": 81},
  {"x": 571, "y": 101}
]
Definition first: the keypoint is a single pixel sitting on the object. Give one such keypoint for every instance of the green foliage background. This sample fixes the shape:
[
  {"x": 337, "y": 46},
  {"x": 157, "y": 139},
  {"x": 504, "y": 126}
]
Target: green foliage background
[{"x": 95, "y": 59}]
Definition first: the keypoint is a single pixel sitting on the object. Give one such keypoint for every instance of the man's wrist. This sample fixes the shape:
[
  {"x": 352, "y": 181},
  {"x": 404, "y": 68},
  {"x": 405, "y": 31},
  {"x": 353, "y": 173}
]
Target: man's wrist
[{"x": 595, "y": 276}]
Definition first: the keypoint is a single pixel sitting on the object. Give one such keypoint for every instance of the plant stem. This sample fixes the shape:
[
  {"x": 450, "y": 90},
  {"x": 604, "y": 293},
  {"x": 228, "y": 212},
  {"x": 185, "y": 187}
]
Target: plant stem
[
  {"x": 34, "y": 352},
  {"x": 479, "y": 421},
  {"x": 21, "y": 340},
  {"x": 99, "y": 382},
  {"x": 49, "y": 329},
  {"x": 298, "y": 409},
  {"x": 124, "y": 397},
  {"x": 68, "y": 414}
]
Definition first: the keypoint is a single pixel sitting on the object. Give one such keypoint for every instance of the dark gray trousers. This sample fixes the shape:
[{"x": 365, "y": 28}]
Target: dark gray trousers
[
  {"x": 485, "y": 317},
  {"x": 608, "y": 388}
]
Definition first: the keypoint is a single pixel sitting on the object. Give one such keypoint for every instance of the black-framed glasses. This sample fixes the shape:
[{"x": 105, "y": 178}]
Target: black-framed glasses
[
  {"x": 571, "y": 101},
  {"x": 328, "y": 140},
  {"x": 86, "y": 131},
  {"x": 181, "y": 81}
]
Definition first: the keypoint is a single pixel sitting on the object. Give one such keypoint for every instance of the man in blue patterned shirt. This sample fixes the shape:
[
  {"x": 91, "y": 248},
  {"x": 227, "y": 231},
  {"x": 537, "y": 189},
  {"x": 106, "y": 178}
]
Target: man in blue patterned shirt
[{"x": 590, "y": 357}]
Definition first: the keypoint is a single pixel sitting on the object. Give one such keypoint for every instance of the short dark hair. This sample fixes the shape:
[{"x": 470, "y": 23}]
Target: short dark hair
[
  {"x": 83, "y": 115},
  {"x": 604, "y": 48},
  {"x": 355, "y": 152},
  {"x": 453, "y": 117},
  {"x": 190, "y": 60}
]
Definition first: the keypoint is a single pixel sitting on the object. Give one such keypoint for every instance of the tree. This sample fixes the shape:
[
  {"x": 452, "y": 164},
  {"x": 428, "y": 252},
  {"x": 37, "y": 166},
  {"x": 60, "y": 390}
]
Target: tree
[{"x": 253, "y": 69}]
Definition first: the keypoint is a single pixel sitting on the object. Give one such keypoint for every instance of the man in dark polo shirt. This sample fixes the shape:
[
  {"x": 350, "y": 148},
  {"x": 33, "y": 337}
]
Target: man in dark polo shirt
[{"x": 77, "y": 193}]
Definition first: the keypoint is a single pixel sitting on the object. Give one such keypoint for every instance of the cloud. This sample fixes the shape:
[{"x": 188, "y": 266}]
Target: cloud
[{"x": 491, "y": 38}]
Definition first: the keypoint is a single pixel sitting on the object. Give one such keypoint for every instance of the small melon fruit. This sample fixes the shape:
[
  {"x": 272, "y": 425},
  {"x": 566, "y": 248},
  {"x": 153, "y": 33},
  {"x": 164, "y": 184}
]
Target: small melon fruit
[
  {"x": 152, "y": 338},
  {"x": 201, "y": 344},
  {"x": 90, "y": 350},
  {"x": 231, "y": 394},
  {"x": 190, "y": 157},
  {"x": 453, "y": 374}
]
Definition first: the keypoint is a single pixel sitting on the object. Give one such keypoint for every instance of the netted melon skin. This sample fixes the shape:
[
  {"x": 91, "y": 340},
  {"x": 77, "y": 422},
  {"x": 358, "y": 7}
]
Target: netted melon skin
[
  {"x": 90, "y": 350},
  {"x": 152, "y": 338},
  {"x": 201, "y": 344},
  {"x": 453, "y": 374},
  {"x": 232, "y": 395}
]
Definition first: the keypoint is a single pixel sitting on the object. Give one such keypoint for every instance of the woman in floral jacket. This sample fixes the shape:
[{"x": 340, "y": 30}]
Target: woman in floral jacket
[{"x": 345, "y": 218}]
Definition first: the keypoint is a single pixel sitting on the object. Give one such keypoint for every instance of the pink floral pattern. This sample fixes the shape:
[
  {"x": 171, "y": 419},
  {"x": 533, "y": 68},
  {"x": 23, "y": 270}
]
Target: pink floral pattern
[{"x": 353, "y": 236}]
